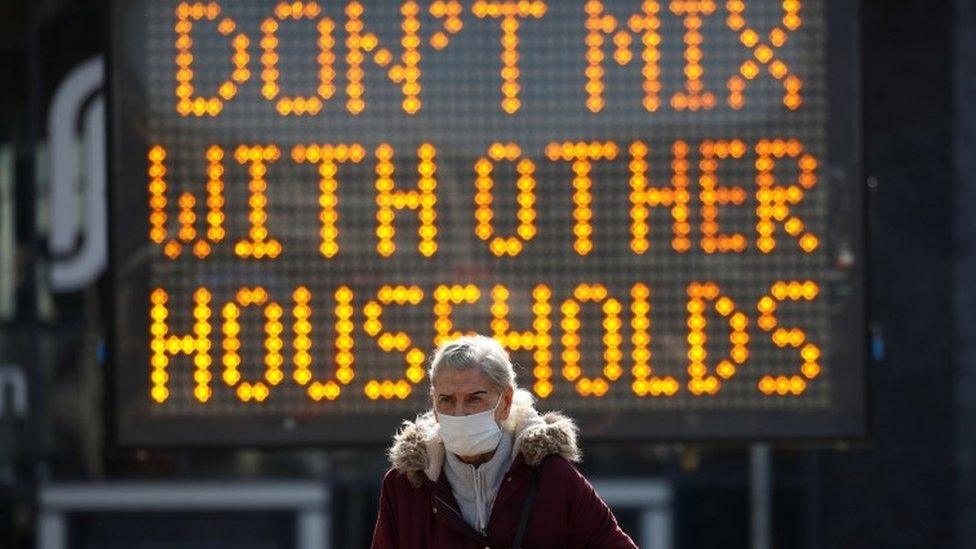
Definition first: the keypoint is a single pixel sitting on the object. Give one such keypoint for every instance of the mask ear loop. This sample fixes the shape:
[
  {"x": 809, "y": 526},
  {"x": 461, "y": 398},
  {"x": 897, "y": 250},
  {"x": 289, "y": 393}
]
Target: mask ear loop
[{"x": 500, "y": 397}]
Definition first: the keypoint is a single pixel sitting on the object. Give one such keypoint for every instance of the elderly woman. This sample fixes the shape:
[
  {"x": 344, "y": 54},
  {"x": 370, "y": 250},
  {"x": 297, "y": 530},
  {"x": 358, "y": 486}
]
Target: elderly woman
[{"x": 484, "y": 469}]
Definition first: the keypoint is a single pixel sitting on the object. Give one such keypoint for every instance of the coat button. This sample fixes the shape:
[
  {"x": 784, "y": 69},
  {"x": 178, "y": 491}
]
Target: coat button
[{"x": 435, "y": 510}]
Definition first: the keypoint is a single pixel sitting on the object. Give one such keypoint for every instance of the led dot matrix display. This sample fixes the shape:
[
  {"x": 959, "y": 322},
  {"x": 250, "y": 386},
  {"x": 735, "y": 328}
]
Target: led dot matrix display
[{"x": 651, "y": 204}]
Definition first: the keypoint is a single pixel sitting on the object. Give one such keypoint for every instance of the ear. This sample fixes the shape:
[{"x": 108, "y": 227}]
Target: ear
[{"x": 506, "y": 406}]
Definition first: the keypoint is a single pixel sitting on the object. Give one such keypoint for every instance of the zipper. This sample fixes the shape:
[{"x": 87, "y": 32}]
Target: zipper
[{"x": 479, "y": 500}]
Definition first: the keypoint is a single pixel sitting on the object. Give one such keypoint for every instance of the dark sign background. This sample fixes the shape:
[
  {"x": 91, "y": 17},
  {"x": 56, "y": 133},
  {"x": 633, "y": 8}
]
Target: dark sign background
[{"x": 461, "y": 116}]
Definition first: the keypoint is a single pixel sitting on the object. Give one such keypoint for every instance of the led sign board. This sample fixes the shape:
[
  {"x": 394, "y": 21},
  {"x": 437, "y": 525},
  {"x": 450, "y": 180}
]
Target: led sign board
[{"x": 654, "y": 205}]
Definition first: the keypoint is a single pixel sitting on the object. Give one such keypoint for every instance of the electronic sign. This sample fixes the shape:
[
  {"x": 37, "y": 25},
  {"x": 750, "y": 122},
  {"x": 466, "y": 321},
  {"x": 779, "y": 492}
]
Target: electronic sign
[{"x": 655, "y": 206}]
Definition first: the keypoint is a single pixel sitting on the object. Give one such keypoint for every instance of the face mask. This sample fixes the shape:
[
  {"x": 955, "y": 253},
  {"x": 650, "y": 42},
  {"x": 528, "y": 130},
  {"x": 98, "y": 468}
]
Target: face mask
[{"x": 470, "y": 435}]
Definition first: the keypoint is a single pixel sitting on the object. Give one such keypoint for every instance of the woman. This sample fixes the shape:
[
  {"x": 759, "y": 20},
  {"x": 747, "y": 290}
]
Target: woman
[{"x": 484, "y": 469}]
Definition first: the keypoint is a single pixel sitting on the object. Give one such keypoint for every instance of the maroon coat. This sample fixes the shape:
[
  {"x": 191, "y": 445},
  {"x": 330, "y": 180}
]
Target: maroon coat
[{"x": 417, "y": 512}]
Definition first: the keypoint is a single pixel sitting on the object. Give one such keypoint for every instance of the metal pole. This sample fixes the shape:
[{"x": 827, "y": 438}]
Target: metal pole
[
  {"x": 656, "y": 528},
  {"x": 314, "y": 529},
  {"x": 52, "y": 530},
  {"x": 761, "y": 496}
]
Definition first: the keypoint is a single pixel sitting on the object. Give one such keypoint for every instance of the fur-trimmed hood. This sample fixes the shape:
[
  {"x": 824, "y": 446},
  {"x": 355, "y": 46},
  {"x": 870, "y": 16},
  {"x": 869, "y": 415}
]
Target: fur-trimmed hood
[{"x": 417, "y": 446}]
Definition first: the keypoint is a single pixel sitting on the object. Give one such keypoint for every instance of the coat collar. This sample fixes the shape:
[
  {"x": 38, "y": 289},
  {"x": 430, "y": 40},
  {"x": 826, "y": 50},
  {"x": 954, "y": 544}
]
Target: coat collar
[{"x": 418, "y": 450}]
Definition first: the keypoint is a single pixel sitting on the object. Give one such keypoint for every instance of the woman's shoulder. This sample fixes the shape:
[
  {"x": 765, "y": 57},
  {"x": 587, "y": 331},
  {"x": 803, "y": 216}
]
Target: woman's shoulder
[
  {"x": 402, "y": 481},
  {"x": 560, "y": 469}
]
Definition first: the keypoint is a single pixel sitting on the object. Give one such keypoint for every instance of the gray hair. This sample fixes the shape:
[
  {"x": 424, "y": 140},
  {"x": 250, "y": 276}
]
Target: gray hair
[{"x": 475, "y": 351}]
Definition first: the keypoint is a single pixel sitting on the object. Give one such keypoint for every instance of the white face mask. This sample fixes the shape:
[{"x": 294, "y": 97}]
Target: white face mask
[{"x": 470, "y": 435}]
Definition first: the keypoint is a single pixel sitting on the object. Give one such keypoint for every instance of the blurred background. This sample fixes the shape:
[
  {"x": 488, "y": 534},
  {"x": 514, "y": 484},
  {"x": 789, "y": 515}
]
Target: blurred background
[{"x": 911, "y": 483}]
